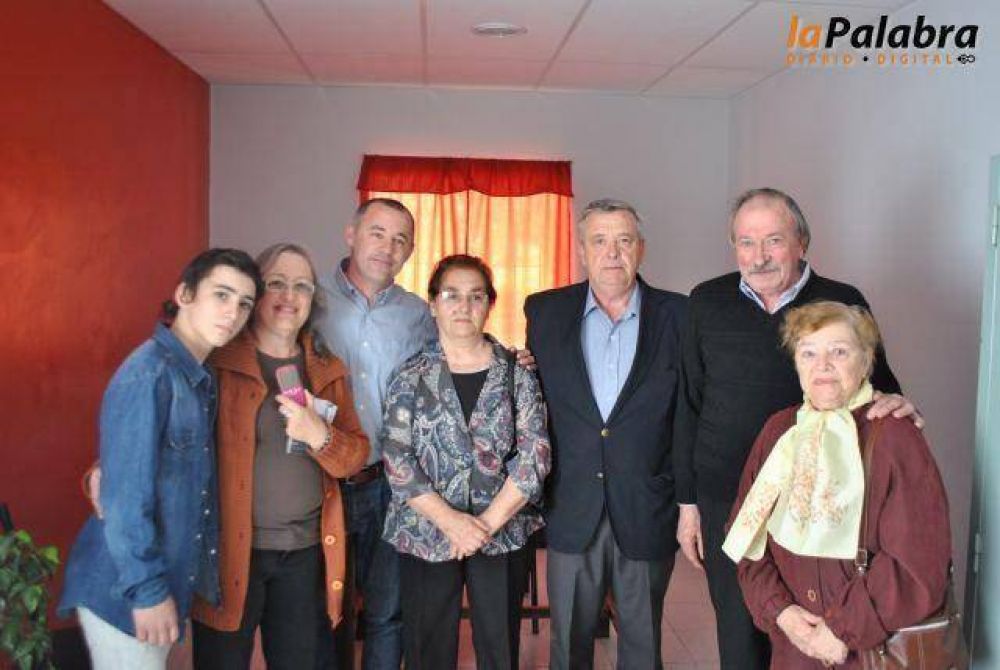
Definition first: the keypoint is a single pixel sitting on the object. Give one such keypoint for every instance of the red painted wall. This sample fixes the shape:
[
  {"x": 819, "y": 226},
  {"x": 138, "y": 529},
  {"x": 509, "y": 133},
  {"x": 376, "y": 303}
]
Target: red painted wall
[{"x": 103, "y": 198}]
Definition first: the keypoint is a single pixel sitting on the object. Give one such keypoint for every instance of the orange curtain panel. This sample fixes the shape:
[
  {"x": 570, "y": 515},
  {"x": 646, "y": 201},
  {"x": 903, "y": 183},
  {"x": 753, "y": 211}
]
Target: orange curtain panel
[{"x": 517, "y": 215}]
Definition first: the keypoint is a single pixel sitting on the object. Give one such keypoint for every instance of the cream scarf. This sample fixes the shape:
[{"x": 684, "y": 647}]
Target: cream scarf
[{"x": 808, "y": 494}]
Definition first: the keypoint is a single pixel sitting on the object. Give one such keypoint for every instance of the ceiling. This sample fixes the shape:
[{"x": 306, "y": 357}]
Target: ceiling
[{"x": 694, "y": 48}]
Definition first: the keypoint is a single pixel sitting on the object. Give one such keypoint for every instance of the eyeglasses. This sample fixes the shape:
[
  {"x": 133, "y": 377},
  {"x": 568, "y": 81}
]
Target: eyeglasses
[
  {"x": 301, "y": 287},
  {"x": 452, "y": 298}
]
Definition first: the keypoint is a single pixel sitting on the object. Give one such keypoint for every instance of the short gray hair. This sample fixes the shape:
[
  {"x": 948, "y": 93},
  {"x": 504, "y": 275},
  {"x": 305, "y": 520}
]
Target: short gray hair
[
  {"x": 608, "y": 205},
  {"x": 773, "y": 195}
]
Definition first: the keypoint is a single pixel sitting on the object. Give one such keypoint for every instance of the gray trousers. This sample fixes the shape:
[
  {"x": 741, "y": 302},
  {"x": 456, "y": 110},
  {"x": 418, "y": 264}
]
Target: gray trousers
[
  {"x": 577, "y": 586},
  {"x": 111, "y": 649}
]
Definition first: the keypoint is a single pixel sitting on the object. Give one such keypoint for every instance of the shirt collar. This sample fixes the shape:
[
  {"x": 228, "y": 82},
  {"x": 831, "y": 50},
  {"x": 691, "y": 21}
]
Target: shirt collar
[
  {"x": 786, "y": 297},
  {"x": 184, "y": 359},
  {"x": 633, "y": 303},
  {"x": 348, "y": 288}
]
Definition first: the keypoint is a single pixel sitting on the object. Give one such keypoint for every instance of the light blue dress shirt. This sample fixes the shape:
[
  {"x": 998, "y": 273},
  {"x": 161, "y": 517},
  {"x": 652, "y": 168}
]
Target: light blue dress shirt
[
  {"x": 786, "y": 297},
  {"x": 372, "y": 339},
  {"x": 609, "y": 348}
]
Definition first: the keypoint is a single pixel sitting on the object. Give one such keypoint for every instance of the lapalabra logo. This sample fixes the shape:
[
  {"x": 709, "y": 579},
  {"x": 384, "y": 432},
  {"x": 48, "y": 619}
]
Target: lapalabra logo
[{"x": 840, "y": 43}]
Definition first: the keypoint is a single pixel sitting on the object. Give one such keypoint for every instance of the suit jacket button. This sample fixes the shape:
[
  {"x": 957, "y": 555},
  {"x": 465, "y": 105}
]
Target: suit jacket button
[
  {"x": 605, "y": 432},
  {"x": 600, "y": 475}
]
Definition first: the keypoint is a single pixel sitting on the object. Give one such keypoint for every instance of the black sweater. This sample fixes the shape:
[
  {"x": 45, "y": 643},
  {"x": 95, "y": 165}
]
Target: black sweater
[{"x": 734, "y": 375}]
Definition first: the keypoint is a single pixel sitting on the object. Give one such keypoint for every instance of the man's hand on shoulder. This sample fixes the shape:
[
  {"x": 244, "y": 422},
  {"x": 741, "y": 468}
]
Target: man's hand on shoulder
[
  {"x": 524, "y": 358},
  {"x": 897, "y": 405},
  {"x": 92, "y": 488}
]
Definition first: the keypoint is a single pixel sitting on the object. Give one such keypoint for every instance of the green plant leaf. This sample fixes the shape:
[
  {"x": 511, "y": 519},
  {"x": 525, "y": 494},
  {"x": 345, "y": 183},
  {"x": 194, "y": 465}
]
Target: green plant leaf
[
  {"x": 34, "y": 571},
  {"x": 7, "y": 542},
  {"x": 42, "y": 643},
  {"x": 8, "y": 636},
  {"x": 22, "y": 655},
  {"x": 14, "y": 559},
  {"x": 24, "y": 571},
  {"x": 31, "y": 597},
  {"x": 7, "y": 577},
  {"x": 50, "y": 554}
]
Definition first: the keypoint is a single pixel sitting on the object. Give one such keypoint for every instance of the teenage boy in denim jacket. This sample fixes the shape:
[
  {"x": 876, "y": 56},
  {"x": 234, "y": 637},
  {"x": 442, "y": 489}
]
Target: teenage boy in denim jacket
[{"x": 132, "y": 573}]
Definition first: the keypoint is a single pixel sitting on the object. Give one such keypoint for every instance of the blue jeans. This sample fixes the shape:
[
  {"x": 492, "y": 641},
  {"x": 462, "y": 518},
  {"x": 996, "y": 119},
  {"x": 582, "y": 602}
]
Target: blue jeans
[{"x": 375, "y": 568}]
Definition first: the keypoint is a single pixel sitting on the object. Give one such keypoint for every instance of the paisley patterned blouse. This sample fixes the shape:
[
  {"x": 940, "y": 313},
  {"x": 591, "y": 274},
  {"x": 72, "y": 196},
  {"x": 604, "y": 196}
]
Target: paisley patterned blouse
[{"x": 427, "y": 447}]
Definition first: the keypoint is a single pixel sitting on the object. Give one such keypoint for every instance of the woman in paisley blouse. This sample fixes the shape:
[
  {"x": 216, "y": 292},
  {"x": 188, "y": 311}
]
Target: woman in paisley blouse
[{"x": 466, "y": 451}]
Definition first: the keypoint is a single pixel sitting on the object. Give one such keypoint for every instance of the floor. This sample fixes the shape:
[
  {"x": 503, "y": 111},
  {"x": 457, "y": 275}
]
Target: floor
[
  {"x": 688, "y": 628},
  {"x": 688, "y": 631}
]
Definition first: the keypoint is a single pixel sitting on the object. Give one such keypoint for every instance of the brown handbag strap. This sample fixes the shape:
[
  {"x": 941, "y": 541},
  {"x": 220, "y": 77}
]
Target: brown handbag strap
[{"x": 862, "y": 557}]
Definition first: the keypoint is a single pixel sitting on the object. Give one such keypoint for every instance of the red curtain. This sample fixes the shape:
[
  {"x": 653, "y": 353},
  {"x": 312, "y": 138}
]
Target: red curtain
[
  {"x": 489, "y": 176},
  {"x": 517, "y": 215}
]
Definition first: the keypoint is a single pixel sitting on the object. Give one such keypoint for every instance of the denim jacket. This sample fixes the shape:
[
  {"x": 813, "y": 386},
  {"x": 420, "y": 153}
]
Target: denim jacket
[
  {"x": 159, "y": 534},
  {"x": 427, "y": 447}
]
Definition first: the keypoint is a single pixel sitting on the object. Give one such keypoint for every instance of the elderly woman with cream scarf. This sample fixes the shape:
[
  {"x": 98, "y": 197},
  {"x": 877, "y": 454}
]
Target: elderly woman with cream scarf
[{"x": 795, "y": 527}]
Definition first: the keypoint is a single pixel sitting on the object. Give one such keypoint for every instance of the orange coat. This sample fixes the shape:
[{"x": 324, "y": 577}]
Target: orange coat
[{"x": 241, "y": 393}]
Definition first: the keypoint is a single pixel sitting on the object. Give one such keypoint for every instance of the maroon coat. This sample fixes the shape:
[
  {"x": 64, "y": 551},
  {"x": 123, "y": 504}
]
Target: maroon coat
[{"x": 908, "y": 534}]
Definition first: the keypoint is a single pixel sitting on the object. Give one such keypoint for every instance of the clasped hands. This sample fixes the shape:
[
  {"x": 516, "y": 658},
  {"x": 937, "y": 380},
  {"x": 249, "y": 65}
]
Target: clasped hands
[
  {"x": 466, "y": 533},
  {"x": 810, "y": 634}
]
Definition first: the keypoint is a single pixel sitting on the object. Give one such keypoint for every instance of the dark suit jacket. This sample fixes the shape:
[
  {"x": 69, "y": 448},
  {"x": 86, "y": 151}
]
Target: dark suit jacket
[{"x": 623, "y": 465}]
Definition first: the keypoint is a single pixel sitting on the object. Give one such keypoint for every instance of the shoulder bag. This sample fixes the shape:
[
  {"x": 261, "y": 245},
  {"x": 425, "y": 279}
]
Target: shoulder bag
[{"x": 936, "y": 643}]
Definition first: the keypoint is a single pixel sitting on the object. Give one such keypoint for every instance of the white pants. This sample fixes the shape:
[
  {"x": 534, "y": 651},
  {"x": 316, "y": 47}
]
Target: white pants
[{"x": 111, "y": 649}]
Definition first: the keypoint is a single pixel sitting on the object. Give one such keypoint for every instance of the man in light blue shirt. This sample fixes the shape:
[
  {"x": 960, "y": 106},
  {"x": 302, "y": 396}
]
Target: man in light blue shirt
[
  {"x": 372, "y": 338},
  {"x": 607, "y": 351},
  {"x": 373, "y": 325},
  {"x": 609, "y": 348}
]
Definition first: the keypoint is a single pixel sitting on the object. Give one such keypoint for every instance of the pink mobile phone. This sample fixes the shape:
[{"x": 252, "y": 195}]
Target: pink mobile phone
[{"x": 291, "y": 384}]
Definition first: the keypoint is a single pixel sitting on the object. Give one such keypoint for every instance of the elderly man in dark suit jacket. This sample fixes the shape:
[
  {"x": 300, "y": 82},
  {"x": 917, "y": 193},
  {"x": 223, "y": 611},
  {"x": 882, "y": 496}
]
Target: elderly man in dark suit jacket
[{"x": 607, "y": 351}]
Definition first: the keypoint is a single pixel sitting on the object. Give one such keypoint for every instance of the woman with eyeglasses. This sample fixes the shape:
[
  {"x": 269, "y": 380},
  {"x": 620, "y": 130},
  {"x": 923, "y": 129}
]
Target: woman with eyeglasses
[
  {"x": 466, "y": 450},
  {"x": 282, "y": 554}
]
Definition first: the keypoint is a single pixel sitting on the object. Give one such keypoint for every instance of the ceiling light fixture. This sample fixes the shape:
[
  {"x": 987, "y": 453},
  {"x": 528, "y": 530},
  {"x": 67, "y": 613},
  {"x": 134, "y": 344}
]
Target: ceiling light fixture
[{"x": 498, "y": 29}]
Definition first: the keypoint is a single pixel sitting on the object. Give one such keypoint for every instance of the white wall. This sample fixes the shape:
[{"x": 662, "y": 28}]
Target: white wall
[
  {"x": 285, "y": 159},
  {"x": 890, "y": 166},
  {"x": 892, "y": 170}
]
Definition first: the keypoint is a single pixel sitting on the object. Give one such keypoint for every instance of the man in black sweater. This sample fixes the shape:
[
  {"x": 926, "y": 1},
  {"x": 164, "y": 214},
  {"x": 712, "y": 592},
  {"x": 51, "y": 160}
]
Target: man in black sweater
[{"x": 734, "y": 375}]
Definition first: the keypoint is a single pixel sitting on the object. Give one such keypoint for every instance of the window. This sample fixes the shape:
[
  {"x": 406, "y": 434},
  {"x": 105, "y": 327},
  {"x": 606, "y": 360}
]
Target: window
[{"x": 516, "y": 215}]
